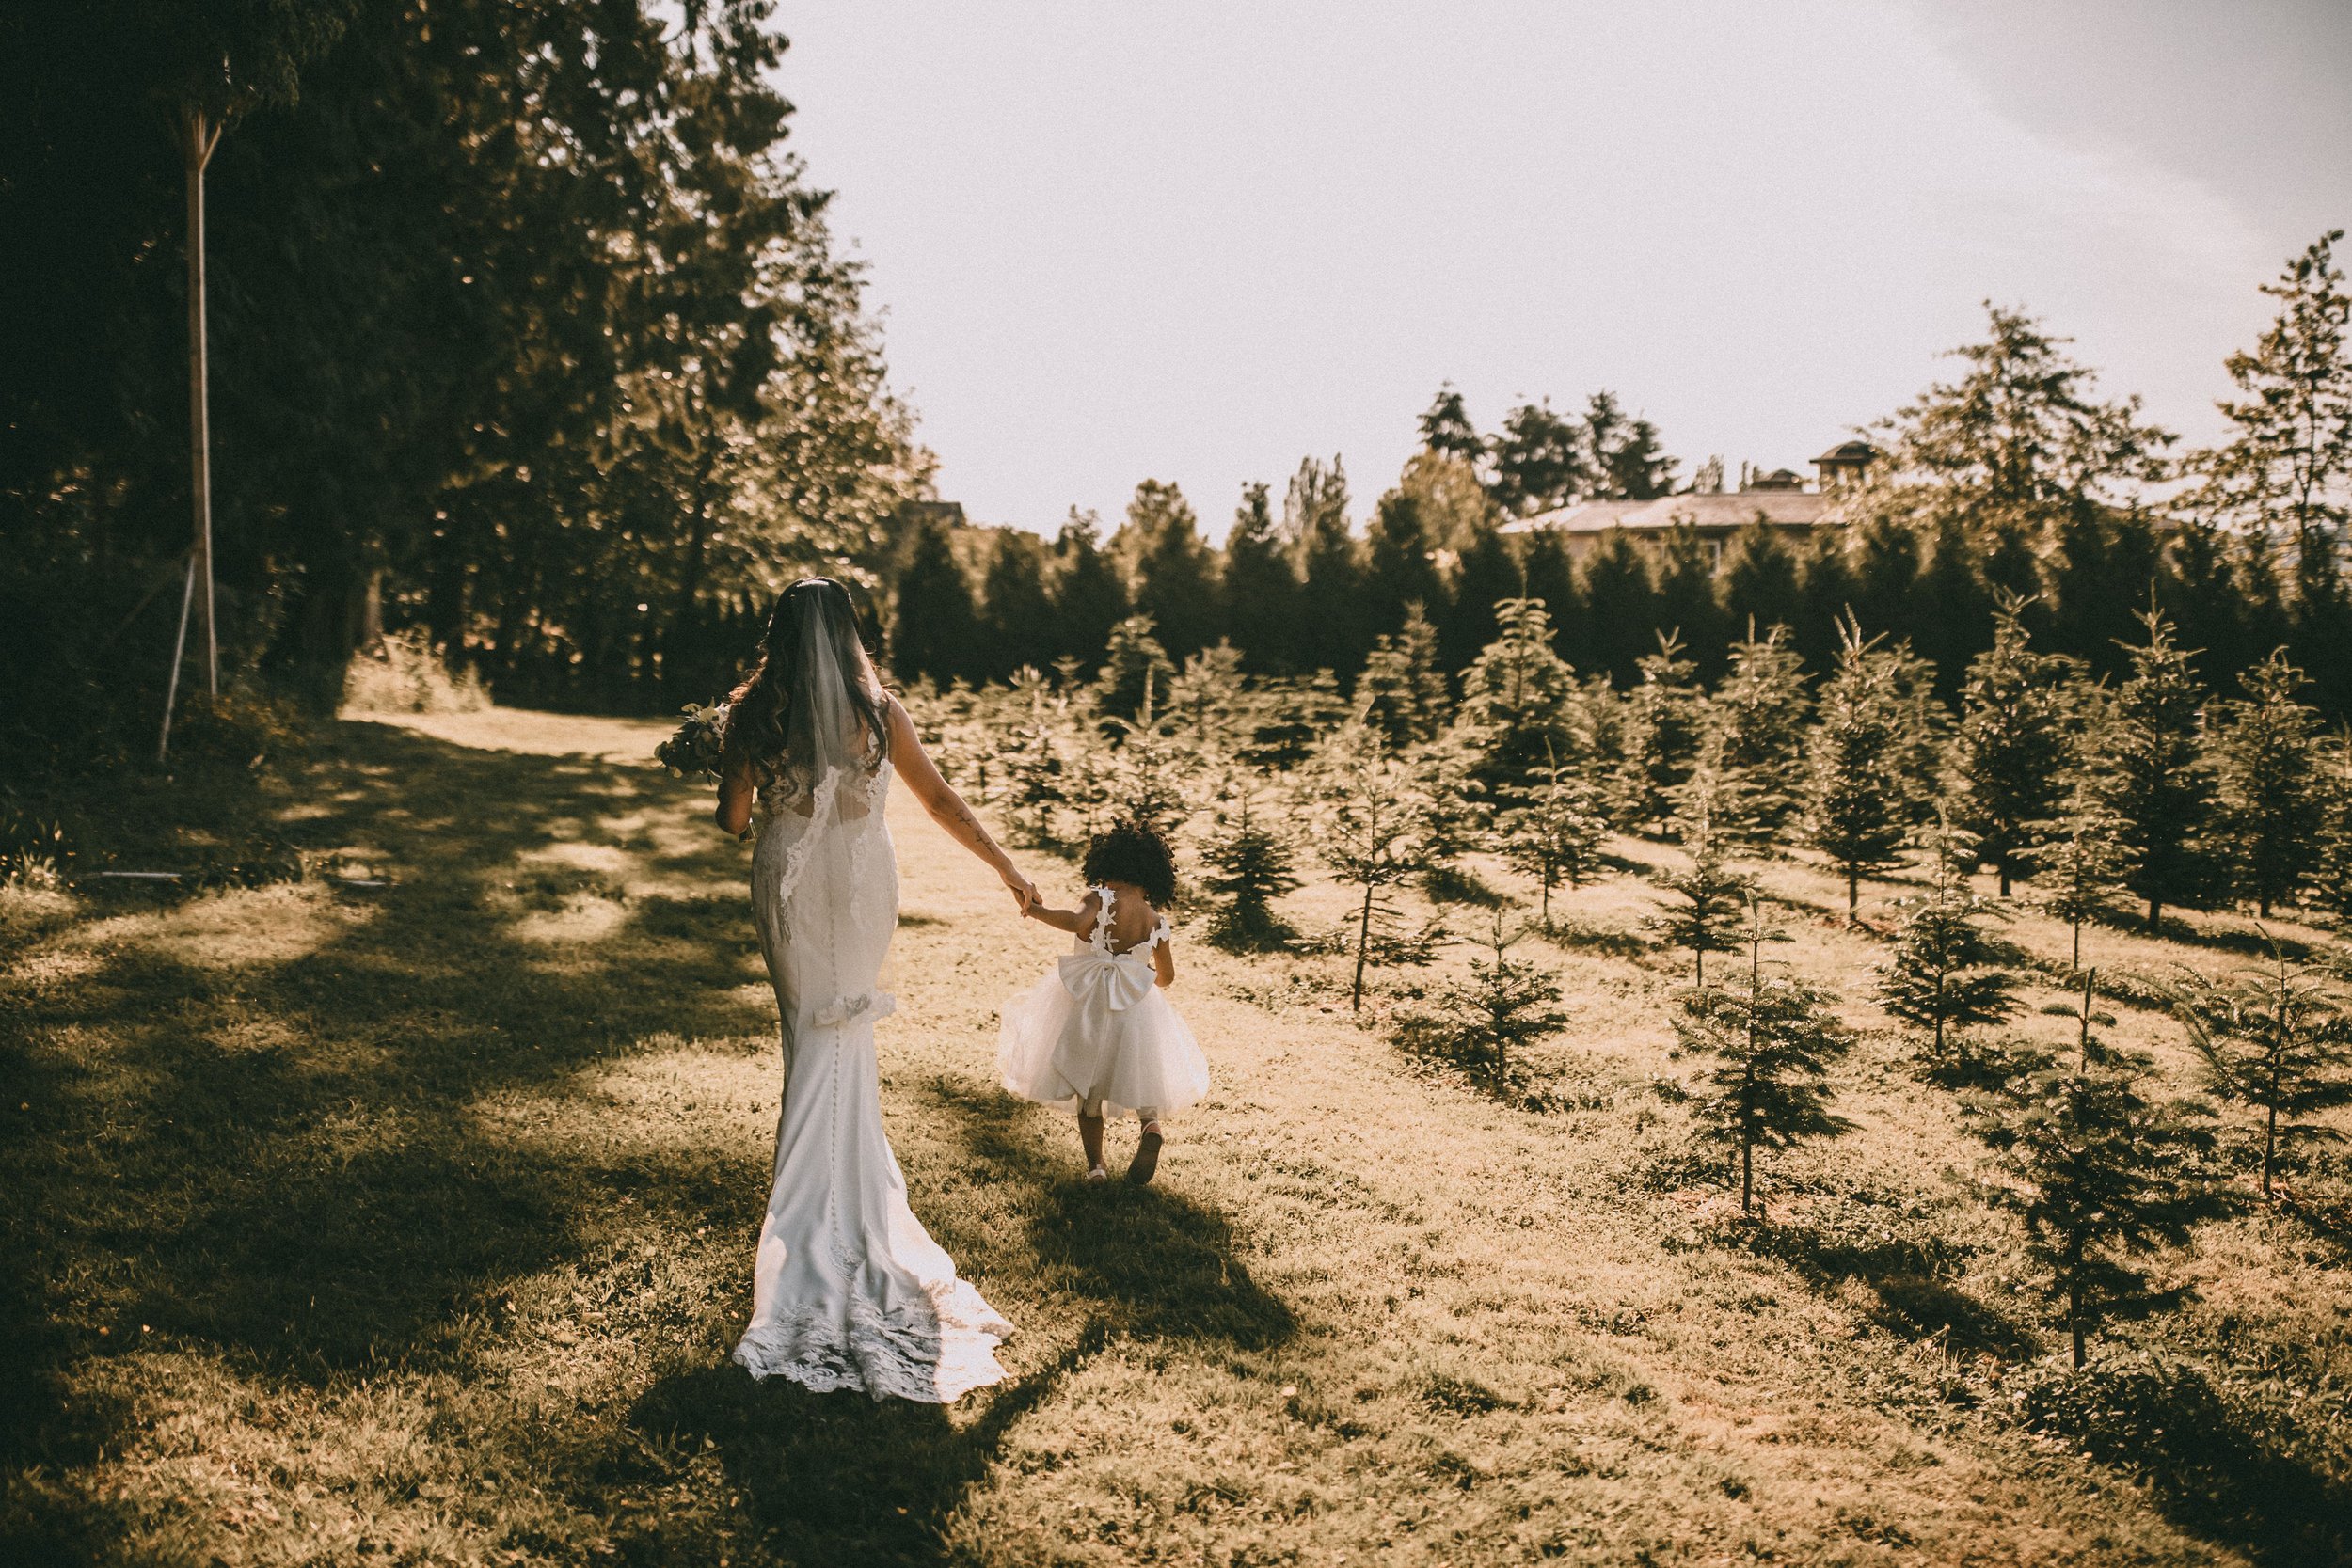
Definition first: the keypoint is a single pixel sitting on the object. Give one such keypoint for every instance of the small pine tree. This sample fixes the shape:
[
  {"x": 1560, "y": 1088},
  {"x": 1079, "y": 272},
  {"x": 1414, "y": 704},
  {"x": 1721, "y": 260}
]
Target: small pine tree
[
  {"x": 1133, "y": 665},
  {"x": 1371, "y": 822},
  {"x": 1402, "y": 692},
  {"x": 1487, "y": 1019},
  {"x": 1713, "y": 896},
  {"x": 1029, "y": 774},
  {"x": 2151, "y": 776},
  {"x": 2329, "y": 881},
  {"x": 1772, "y": 1038},
  {"x": 1252, "y": 867},
  {"x": 1515, "y": 696},
  {"x": 2015, "y": 742},
  {"x": 2279, "y": 1041},
  {"x": 1755, "y": 739},
  {"x": 2091, "y": 1164},
  {"x": 1553, "y": 829},
  {"x": 1148, "y": 776},
  {"x": 1856, "y": 804},
  {"x": 2083, "y": 860},
  {"x": 1455, "y": 816},
  {"x": 2264, "y": 760},
  {"x": 1946, "y": 974},
  {"x": 1657, "y": 738}
]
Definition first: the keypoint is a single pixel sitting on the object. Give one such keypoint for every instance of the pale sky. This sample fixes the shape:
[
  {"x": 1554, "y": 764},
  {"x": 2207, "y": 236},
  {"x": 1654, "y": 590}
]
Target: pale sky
[{"x": 1197, "y": 241}]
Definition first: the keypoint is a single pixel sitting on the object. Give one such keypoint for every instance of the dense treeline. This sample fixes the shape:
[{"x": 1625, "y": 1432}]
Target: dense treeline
[
  {"x": 526, "y": 333},
  {"x": 2015, "y": 481}
]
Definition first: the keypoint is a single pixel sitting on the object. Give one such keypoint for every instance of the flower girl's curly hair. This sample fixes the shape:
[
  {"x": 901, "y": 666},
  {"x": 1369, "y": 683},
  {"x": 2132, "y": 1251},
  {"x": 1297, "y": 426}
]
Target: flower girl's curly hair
[{"x": 1135, "y": 853}]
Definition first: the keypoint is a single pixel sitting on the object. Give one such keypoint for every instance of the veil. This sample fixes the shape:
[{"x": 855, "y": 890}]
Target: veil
[{"x": 830, "y": 753}]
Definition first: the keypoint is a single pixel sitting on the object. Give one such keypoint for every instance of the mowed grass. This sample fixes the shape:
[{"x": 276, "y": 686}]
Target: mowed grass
[{"x": 415, "y": 1224}]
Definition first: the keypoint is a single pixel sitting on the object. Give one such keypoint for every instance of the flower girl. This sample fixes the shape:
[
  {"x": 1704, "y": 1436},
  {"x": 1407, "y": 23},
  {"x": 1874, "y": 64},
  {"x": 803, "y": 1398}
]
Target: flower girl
[{"x": 1097, "y": 1032}]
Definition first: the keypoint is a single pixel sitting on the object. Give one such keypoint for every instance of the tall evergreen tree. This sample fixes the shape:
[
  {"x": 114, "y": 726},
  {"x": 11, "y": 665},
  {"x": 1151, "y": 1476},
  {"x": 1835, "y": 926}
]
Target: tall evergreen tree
[
  {"x": 1856, "y": 804},
  {"x": 1446, "y": 427},
  {"x": 1620, "y": 608},
  {"x": 1017, "y": 606},
  {"x": 2153, "y": 777},
  {"x": 1398, "y": 570},
  {"x": 2287, "y": 467},
  {"x": 1687, "y": 602},
  {"x": 1538, "y": 459},
  {"x": 1956, "y": 609},
  {"x": 1488, "y": 574},
  {"x": 2022, "y": 433},
  {"x": 1623, "y": 453},
  {"x": 1826, "y": 600},
  {"x": 1089, "y": 597},
  {"x": 1260, "y": 584},
  {"x": 1885, "y": 589},
  {"x": 1549, "y": 570},
  {"x": 1175, "y": 573},
  {"x": 1336, "y": 629},
  {"x": 2104, "y": 563},
  {"x": 2014, "y": 744},
  {"x": 2265, "y": 762},
  {"x": 935, "y": 631},
  {"x": 1761, "y": 582},
  {"x": 1135, "y": 673}
]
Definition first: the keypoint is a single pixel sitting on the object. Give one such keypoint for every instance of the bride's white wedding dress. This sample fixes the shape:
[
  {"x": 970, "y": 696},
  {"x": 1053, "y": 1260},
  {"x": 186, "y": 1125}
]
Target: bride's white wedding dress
[{"x": 849, "y": 1290}]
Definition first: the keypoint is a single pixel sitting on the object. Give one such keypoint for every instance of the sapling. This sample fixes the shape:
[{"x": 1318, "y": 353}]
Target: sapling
[
  {"x": 1504, "y": 1005},
  {"x": 1713, "y": 898},
  {"x": 1946, "y": 974},
  {"x": 1772, "y": 1038},
  {"x": 1371, "y": 824},
  {"x": 1251, "y": 867},
  {"x": 1857, "y": 800},
  {"x": 2083, "y": 860},
  {"x": 2279, "y": 1041},
  {"x": 1553, "y": 829},
  {"x": 2092, "y": 1167}
]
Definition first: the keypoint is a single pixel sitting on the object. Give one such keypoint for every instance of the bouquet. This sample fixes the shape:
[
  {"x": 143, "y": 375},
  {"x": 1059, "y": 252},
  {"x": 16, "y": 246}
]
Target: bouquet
[{"x": 695, "y": 749}]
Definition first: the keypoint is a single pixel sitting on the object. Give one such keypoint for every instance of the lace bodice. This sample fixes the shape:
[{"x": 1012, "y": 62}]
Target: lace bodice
[{"x": 1100, "y": 938}]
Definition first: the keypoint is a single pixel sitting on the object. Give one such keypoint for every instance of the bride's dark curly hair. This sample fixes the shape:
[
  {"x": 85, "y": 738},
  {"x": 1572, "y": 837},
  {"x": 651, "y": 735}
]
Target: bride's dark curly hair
[
  {"x": 760, "y": 722},
  {"x": 1135, "y": 853}
]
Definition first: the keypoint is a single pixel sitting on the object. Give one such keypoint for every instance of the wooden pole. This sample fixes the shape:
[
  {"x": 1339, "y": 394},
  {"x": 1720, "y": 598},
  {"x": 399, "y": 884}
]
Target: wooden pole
[
  {"x": 199, "y": 134},
  {"x": 202, "y": 136},
  {"x": 179, "y": 643}
]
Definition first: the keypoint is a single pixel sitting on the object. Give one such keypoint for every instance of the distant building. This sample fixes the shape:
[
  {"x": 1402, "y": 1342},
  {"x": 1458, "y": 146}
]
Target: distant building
[{"x": 1779, "y": 500}]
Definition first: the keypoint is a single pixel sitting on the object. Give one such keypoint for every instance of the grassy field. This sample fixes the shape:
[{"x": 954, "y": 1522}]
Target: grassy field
[{"x": 414, "y": 1223}]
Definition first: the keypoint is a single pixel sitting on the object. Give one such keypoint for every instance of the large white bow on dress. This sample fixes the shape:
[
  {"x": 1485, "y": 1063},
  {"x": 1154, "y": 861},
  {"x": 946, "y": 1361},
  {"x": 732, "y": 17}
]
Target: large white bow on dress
[{"x": 1125, "y": 978}]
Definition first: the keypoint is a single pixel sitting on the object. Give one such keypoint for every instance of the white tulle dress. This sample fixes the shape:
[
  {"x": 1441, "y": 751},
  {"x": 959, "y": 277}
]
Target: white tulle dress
[
  {"x": 849, "y": 1290},
  {"x": 1098, "y": 1034}
]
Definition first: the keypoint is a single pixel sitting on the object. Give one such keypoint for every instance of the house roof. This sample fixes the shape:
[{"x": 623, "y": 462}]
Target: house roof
[
  {"x": 1850, "y": 452},
  {"x": 1707, "y": 513}
]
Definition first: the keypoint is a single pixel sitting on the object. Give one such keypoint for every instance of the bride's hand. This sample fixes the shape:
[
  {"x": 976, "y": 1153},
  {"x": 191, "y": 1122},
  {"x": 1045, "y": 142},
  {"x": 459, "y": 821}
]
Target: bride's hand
[{"x": 1025, "y": 893}]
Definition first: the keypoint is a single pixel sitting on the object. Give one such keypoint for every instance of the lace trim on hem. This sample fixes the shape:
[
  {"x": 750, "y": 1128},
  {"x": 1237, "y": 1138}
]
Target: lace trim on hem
[{"x": 929, "y": 1358}]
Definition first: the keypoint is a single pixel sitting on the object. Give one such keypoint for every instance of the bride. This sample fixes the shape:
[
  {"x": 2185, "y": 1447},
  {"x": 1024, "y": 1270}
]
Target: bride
[{"x": 849, "y": 1290}]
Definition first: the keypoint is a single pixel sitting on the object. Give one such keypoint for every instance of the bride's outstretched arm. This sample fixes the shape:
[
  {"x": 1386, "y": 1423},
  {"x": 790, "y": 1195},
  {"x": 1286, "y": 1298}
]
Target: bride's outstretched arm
[{"x": 946, "y": 807}]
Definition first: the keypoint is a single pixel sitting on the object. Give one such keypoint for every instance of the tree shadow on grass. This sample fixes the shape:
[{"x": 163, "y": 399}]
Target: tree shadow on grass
[
  {"x": 271, "y": 1145},
  {"x": 2224, "y": 1458},
  {"x": 1911, "y": 1298}
]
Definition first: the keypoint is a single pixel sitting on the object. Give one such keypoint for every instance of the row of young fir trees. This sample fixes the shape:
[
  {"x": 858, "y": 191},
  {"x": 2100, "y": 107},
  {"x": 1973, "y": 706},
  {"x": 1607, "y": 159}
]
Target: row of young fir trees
[{"x": 2192, "y": 796}]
